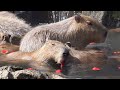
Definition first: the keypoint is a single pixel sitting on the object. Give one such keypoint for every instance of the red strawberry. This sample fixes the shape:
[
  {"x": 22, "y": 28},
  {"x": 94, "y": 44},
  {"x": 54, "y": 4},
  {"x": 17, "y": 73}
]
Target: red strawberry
[
  {"x": 96, "y": 69},
  {"x": 4, "y": 51},
  {"x": 58, "y": 71}
]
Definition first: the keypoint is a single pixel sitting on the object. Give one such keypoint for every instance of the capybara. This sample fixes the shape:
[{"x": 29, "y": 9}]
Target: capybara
[
  {"x": 12, "y": 26},
  {"x": 79, "y": 30},
  {"x": 51, "y": 51}
]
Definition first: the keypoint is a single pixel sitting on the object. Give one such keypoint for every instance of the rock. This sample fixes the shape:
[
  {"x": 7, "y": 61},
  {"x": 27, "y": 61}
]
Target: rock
[
  {"x": 14, "y": 72},
  {"x": 5, "y": 74},
  {"x": 28, "y": 74}
]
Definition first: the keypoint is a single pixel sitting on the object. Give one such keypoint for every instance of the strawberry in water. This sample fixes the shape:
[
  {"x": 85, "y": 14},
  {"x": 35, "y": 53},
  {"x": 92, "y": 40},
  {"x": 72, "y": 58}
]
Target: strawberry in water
[
  {"x": 4, "y": 51},
  {"x": 96, "y": 69}
]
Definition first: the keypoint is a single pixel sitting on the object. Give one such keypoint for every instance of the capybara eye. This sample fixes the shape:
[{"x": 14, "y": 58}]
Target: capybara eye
[
  {"x": 89, "y": 22},
  {"x": 65, "y": 54},
  {"x": 53, "y": 44},
  {"x": 3, "y": 47},
  {"x": 68, "y": 44}
]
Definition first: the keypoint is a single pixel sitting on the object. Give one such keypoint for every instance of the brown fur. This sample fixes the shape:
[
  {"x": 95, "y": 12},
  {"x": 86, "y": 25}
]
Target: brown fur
[
  {"x": 13, "y": 26},
  {"x": 51, "y": 51},
  {"x": 79, "y": 30}
]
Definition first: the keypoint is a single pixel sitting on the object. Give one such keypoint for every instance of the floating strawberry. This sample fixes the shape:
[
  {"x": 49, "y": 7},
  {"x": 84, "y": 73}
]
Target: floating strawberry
[
  {"x": 58, "y": 71},
  {"x": 96, "y": 69},
  {"x": 29, "y": 68},
  {"x": 4, "y": 51}
]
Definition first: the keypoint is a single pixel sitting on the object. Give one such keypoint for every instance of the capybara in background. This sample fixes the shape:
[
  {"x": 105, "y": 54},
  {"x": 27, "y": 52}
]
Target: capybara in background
[
  {"x": 12, "y": 26},
  {"x": 79, "y": 30}
]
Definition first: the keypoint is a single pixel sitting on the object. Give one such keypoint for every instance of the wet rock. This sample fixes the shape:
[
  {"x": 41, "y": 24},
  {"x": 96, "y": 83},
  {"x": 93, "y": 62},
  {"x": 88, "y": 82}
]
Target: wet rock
[
  {"x": 5, "y": 74},
  {"x": 14, "y": 72},
  {"x": 28, "y": 74}
]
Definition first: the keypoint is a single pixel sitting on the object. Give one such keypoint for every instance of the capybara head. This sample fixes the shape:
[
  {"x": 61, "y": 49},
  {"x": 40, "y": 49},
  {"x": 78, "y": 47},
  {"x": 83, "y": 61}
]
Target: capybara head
[
  {"x": 90, "y": 29},
  {"x": 55, "y": 50}
]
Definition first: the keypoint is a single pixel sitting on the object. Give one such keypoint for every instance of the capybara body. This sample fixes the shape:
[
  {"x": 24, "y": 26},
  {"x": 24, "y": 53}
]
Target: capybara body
[
  {"x": 79, "y": 30},
  {"x": 51, "y": 51},
  {"x": 12, "y": 26}
]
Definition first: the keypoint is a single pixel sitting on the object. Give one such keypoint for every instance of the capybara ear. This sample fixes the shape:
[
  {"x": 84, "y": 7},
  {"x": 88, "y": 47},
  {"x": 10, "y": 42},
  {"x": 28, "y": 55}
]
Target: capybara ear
[
  {"x": 68, "y": 44},
  {"x": 77, "y": 18}
]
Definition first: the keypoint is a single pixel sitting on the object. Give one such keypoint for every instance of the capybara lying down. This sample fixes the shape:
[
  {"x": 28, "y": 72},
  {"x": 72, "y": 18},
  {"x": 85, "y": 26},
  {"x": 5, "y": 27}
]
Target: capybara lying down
[
  {"x": 80, "y": 30},
  {"x": 51, "y": 51}
]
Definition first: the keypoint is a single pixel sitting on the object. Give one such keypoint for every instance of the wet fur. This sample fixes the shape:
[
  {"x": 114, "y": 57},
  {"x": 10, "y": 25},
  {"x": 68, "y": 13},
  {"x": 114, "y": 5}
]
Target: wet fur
[
  {"x": 51, "y": 52},
  {"x": 78, "y": 32}
]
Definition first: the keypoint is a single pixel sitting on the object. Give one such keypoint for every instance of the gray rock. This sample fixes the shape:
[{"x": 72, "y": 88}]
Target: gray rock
[{"x": 14, "y": 72}]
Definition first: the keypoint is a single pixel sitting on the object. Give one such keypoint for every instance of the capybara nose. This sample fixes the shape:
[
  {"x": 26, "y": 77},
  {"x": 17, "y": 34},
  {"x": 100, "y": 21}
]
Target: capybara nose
[{"x": 66, "y": 53}]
